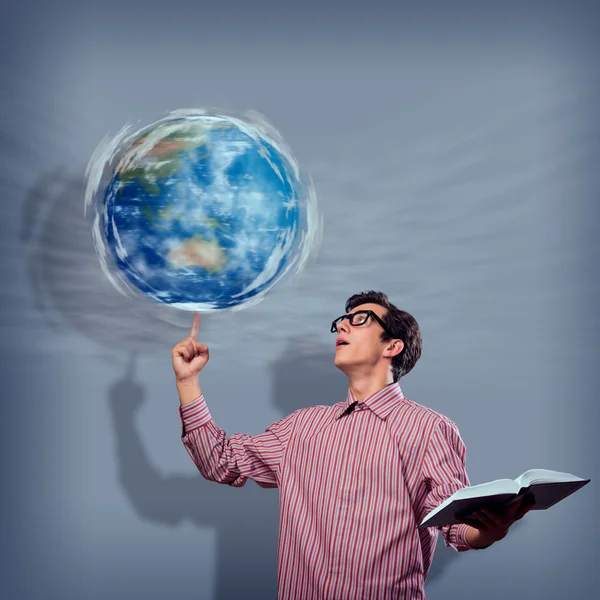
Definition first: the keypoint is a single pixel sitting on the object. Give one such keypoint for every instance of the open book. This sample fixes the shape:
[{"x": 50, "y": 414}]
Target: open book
[{"x": 545, "y": 487}]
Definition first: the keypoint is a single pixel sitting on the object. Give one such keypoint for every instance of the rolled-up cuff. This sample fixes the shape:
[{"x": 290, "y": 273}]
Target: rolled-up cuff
[
  {"x": 457, "y": 537},
  {"x": 194, "y": 415}
]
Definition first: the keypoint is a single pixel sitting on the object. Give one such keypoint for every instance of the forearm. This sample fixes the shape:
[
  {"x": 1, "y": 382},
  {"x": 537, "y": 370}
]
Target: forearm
[
  {"x": 230, "y": 460},
  {"x": 206, "y": 444},
  {"x": 188, "y": 390},
  {"x": 211, "y": 452}
]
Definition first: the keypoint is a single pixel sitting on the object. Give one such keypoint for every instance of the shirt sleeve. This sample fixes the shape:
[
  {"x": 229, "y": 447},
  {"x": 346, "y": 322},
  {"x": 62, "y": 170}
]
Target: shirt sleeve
[
  {"x": 235, "y": 459},
  {"x": 445, "y": 473}
]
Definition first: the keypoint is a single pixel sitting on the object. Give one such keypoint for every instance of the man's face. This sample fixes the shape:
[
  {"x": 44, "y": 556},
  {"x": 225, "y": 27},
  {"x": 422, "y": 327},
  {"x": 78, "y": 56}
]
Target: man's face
[{"x": 365, "y": 347}]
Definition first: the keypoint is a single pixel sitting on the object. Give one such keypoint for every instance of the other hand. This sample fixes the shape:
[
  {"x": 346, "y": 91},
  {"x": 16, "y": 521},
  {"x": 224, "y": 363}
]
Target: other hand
[
  {"x": 189, "y": 356},
  {"x": 493, "y": 524}
]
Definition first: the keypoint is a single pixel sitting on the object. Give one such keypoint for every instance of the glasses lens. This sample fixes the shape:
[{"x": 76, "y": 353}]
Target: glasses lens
[{"x": 359, "y": 318}]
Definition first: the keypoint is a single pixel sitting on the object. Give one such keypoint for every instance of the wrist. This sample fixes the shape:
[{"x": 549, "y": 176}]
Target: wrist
[
  {"x": 476, "y": 539},
  {"x": 189, "y": 390}
]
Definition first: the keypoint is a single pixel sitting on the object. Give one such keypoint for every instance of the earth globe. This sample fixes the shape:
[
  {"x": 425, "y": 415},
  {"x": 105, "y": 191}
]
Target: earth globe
[{"x": 200, "y": 210}]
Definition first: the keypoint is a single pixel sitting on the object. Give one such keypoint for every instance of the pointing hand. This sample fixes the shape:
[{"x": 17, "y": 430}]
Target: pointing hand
[{"x": 189, "y": 356}]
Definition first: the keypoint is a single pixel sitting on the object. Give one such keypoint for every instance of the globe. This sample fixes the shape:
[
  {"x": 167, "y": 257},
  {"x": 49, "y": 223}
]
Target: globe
[{"x": 200, "y": 210}]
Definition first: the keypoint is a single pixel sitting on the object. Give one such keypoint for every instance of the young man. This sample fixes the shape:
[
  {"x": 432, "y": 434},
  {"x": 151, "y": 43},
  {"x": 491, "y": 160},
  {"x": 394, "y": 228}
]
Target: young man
[{"x": 355, "y": 478}]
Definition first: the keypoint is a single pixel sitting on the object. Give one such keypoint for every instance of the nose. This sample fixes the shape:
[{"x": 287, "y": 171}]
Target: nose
[{"x": 343, "y": 325}]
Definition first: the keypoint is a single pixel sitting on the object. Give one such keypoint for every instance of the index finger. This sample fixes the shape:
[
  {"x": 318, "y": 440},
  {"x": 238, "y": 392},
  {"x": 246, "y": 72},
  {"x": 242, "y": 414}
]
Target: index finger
[{"x": 195, "y": 325}]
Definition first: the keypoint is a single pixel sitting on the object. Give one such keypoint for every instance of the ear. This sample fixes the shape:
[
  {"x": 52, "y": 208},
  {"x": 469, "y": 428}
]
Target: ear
[{"x": 394, "y": 348}]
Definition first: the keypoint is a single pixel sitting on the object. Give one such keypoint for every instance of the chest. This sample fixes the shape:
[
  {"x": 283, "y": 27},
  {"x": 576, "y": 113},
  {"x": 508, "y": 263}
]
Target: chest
[{"x": 356, "y": 453}]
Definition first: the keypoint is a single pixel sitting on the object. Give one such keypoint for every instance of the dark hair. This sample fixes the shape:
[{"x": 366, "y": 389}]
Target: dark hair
[{"x": 400, "y": 324}]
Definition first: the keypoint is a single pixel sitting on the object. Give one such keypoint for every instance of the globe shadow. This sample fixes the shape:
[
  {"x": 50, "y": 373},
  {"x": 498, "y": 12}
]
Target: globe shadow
[{"x": 69, "y": 287}]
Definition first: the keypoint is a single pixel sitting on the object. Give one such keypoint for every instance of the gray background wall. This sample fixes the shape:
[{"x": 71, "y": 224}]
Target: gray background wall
[{"x": 454, "y": 153}]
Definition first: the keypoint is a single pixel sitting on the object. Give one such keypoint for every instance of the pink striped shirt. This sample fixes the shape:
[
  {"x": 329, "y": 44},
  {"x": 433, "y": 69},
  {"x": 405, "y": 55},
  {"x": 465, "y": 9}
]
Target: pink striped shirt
[{"x": 352, "y": 489}]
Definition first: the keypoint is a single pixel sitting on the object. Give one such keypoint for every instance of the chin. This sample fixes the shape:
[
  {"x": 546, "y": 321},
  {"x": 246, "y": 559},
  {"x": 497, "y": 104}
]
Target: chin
[
  {"x": 340, "y": 364},
  {"x": 341, "y": 368}
]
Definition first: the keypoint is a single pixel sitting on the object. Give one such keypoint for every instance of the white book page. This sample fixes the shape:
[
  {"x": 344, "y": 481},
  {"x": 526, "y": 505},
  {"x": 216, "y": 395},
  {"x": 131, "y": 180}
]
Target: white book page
[
  {"x": 534, "y": 476},
  {"x": 498, "y": 486}
]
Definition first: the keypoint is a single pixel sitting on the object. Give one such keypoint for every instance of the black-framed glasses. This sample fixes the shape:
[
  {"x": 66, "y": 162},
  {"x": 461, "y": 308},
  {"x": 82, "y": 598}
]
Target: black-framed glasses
[{"x": 360, "y": 317}]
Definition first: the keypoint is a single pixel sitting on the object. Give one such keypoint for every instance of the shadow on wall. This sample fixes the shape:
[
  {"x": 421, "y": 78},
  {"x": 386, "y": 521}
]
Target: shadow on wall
[{"x": 68, "y": 283}]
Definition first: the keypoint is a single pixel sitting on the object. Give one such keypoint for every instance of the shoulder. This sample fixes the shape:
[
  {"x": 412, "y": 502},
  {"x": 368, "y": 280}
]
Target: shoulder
[
  {"x": 308, "y": 413},
  {"x": 319, "y": 412},
  {"x": 427, "y": 416},
  {"x": 423, "y": 423},
  {"x": 305, "y": 421}
]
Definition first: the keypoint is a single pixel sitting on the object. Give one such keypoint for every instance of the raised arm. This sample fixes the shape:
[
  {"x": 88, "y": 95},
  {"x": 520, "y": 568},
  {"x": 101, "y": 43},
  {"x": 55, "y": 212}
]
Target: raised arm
[
  {"x": 232, "y": 460},
  {"x": 221, "y": 459}
]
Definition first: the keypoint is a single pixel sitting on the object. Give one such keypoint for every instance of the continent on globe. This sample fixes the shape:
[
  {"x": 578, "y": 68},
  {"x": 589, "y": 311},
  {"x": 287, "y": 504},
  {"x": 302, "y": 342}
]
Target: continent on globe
[
  {"x": 155, "y": 160},
  {"x": 201, "y": 211},
  {"x": 198, "y": 252}
]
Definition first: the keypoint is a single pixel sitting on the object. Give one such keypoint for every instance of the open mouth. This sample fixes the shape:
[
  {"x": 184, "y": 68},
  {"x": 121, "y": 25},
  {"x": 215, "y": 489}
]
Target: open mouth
[{"x": 341, "y": 343}]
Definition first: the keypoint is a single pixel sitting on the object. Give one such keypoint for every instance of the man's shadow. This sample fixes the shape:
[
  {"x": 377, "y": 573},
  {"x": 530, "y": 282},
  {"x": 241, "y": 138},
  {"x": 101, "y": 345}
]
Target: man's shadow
[
  {"x": 70, "y": 289},
  {"x": 245, "y": 519}
]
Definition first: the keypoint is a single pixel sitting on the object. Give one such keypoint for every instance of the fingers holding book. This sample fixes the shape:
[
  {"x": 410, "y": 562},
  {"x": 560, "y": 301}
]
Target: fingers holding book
[
  {"x": 492, "y": 524},
  {"x": 523, "y": 507}
]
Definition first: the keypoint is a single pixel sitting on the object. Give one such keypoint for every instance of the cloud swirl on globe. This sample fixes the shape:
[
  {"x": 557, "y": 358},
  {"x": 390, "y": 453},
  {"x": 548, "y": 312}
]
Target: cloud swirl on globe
[{"x": 200, "y": 210}]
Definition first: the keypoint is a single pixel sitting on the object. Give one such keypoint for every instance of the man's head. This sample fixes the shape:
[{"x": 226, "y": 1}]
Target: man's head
[{"x": 395, "y": 345}]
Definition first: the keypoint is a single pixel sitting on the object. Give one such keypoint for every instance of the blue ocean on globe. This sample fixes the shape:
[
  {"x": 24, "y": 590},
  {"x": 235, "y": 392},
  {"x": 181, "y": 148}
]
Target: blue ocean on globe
[{"x": 201, "y": 211}]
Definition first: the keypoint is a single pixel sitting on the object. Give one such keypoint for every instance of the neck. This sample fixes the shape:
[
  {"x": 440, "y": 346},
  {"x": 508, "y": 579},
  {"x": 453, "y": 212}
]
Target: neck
[{"x": 363, "y": 386}]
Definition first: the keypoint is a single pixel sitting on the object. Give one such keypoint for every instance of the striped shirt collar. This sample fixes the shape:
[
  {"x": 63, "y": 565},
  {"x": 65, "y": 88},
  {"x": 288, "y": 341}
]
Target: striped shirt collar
[{"x": 382, "y": 403}]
